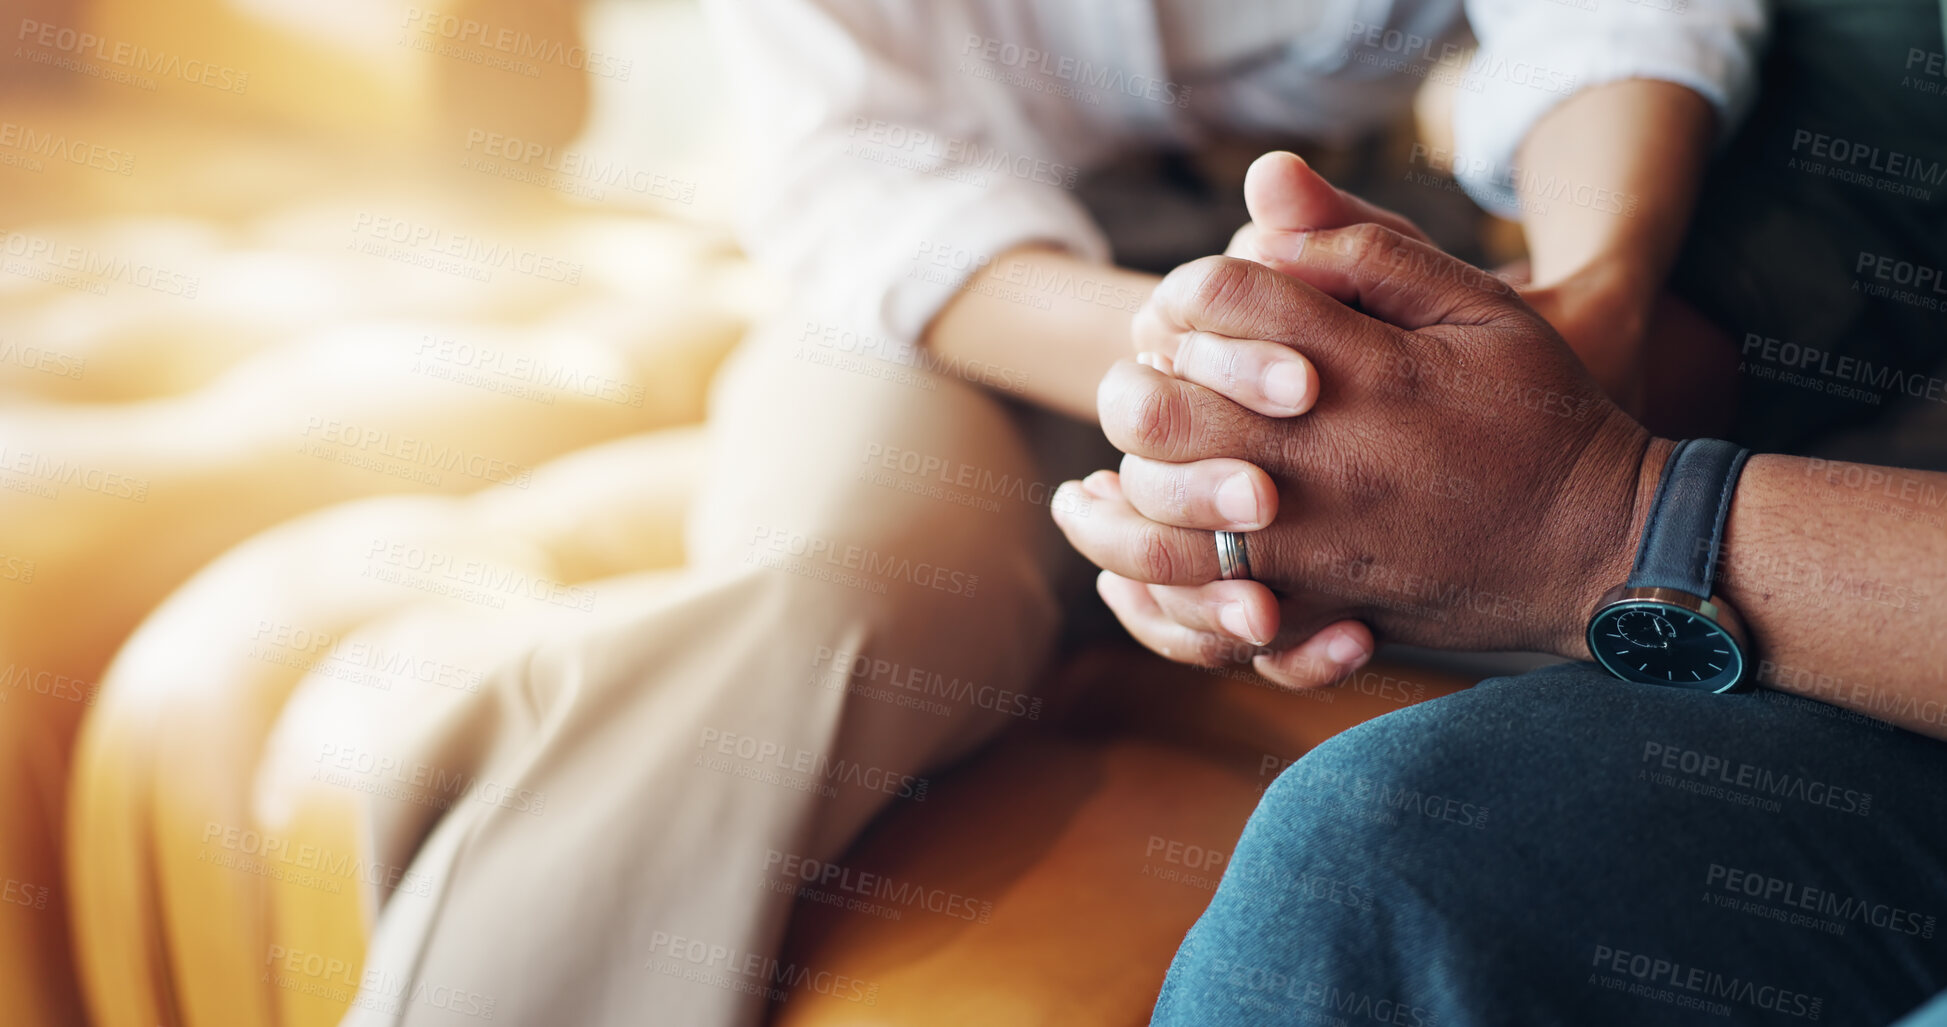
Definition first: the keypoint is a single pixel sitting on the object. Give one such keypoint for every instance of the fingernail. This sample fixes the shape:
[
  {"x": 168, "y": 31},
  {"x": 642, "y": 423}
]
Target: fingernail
[
  {"x": 1233, "y": 619},
  {"x": 1346, "y": 651},
  {"x": 1286, "y": 384},
  {"x": 1146, "y": 359},
  {"x": 1097, "y": 484},
  {"x": 1237, "y": 500}
]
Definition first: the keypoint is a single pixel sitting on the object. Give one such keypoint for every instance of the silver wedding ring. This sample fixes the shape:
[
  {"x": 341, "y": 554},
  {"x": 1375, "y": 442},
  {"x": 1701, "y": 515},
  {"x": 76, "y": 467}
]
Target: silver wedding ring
[{"x": 1233, "y": 560}]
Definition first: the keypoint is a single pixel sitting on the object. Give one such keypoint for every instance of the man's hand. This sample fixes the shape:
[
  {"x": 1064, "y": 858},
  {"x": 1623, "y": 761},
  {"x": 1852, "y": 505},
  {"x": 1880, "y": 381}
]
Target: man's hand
[
  {"x": 1457, "y": 479},
  {"x": 1286, "y": 200}
]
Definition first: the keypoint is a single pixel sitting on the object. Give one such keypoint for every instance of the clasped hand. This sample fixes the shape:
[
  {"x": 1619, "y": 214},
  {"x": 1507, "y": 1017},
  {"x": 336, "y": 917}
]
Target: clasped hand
[{"x": 1415, "y": 454}]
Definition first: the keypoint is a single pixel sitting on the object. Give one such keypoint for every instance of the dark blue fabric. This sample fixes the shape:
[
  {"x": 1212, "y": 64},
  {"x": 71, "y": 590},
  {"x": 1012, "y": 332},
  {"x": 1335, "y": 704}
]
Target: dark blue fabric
[
  {"x": 1565, "y": 848},
  {"x": 1782, "y": 251}
]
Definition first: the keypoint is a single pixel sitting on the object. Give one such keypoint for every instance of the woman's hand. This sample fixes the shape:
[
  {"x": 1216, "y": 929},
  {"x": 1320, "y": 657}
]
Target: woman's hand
[{"x": 1656, "y": 356}]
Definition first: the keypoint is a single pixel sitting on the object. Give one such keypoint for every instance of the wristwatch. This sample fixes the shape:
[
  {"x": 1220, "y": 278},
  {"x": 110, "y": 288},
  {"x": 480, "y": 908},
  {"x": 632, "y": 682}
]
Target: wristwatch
[{"x": 1663, "y": 626}]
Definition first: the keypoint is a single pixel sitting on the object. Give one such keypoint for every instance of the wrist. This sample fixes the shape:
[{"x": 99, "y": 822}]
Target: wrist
[
  {"x": 1616, "y": 288},
  {"x": 1603, "y": 311},
  {"x": 1606, "y": 527}
]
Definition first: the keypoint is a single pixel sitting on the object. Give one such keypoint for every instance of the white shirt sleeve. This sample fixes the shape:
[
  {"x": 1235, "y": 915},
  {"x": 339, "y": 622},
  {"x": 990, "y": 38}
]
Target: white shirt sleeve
[
  {"x": 879, "y": 174},
  {"x": 1535, "y": 53}
]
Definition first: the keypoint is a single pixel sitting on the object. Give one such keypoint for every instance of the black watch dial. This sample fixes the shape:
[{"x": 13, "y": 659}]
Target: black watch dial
[{"x": 1662, "y": 644}]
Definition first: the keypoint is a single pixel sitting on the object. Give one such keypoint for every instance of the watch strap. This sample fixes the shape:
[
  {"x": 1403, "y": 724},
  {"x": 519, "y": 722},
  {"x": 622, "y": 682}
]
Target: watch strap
[{"x": 1685, "y": 529}]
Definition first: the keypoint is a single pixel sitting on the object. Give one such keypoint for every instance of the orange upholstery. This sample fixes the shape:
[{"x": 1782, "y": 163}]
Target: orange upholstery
[{"x": 1098, "y": 837}]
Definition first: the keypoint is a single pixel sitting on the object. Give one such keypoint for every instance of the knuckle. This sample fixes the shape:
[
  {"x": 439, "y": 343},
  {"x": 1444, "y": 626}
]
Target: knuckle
[
  {"x": 1170, "y": 497},
  {"x": 1159, "y": 490},
  {"x": 1153, "y": 558},
  {"x": 1219, "y": 283},
  {"x": 1156, "y": 489},
  {"x": 1212, "y": 361},
  {"x": 1232, "y": 364},
  {"x": 1155, "y": 418},
  {"x": 1176, "y": 499}
]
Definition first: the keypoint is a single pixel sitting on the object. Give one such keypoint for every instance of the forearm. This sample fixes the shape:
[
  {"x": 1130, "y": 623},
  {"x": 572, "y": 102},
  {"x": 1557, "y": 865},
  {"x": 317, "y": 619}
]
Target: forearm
[
  {"x": 1837, "y": 571},
  {"x": 1049, "y": 321},
  {"x": 1608, "y": 179}
]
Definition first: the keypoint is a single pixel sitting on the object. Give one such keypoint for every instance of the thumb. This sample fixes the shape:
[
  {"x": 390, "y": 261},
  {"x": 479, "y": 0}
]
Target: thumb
[
  {"x": 1284, "y": 194},
  {"x": 1404, "y": 282}
]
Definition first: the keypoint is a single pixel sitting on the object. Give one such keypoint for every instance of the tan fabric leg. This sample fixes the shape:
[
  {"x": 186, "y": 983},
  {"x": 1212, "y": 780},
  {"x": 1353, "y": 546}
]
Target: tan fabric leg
[
  {"x": 640, "y": 777},
  {"x": 193, "y": 909}
]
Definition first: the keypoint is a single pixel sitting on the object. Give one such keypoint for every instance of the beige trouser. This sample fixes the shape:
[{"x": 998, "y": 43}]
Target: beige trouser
[{"x": 603, "y": 831}]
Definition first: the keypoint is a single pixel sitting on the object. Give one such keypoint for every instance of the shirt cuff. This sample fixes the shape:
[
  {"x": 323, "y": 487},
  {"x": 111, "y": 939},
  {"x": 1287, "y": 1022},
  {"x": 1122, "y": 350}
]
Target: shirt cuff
[
  {"x": 949, "y": 250},
  {"x": 923, "y": 246},
  {"x": 1502, "y": 97}
]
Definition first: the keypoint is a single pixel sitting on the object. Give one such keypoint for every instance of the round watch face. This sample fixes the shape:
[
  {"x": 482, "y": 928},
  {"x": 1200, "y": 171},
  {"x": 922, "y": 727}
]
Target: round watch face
[{"x": 1663, "y": 644}]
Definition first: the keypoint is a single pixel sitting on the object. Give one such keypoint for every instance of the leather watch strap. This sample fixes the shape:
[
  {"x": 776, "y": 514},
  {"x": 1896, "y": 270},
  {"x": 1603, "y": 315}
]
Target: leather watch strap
[{"x": 1685, "y": 529}]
